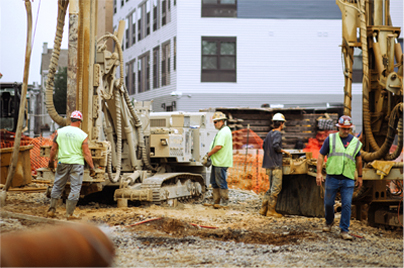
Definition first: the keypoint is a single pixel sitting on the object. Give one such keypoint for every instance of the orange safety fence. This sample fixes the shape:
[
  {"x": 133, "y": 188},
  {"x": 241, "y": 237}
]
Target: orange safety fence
[
  {"x": 7, "y": 141},
  {"x": 247, "y": 172}
]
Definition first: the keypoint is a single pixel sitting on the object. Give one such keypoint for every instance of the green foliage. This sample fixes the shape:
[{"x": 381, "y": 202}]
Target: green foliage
[{"x": 59, "y": 97}]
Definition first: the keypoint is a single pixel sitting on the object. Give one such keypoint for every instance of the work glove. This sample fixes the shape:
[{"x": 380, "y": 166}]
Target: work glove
[
  {"x": 206, "y": 161},
  {"x": 51, "y": 165},
  {"x": 92, "y": 173}
]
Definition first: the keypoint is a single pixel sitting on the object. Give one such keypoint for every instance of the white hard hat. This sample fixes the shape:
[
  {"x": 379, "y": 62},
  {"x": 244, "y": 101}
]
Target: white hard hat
[
  {"x": 219, "y": 116},
  {"x": 278, "y": 117}
]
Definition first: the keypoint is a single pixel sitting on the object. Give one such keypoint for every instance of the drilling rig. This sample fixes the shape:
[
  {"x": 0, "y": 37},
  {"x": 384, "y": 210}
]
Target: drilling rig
[
  {"x": 141, "y": 155},
  {"x": 367, "y": 25}
]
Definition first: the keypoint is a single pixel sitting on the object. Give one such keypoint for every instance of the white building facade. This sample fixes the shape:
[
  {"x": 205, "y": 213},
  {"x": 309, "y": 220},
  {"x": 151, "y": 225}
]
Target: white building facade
[{"x": 188, "y": 55}]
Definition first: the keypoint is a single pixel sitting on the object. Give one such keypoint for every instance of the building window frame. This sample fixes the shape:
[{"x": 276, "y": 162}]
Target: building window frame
[
  {"x": 175, "y": 53},
  {"x": 156, "y": 67},
  {"x": 216, "y": 53},
  {"x": 219, "y": 8},
  {"x": 165, "y": 12},
  {"x": 165, "y": 63},
  {"x": 133, "y": 21},
  {"x": 144, "y": 72},
  {"x": 156, "y": 15}
]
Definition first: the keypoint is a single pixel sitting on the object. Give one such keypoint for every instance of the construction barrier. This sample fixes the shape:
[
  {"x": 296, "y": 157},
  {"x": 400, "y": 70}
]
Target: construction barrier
[{"x": 7, "y": 141}]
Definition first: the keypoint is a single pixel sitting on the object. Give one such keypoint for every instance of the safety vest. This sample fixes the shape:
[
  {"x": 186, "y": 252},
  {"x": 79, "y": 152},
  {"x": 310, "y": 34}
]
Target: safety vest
[
  {"x": 70, "y": 140},
  {"x": 341, "y": 160}
]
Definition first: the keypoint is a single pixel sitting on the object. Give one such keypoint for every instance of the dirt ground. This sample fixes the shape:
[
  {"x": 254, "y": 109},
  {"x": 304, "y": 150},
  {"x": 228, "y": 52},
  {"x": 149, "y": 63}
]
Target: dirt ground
[{"x": 213, "y": 230}]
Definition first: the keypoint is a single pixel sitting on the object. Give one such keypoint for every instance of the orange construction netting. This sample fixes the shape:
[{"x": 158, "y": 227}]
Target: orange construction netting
[
  {"x": 247, "y": 172},
  {"x": 7, "y": 141}
]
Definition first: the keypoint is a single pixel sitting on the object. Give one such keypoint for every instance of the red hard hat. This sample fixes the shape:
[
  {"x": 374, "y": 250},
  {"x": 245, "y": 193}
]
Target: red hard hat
[
  {"x": 345, "y": 121},
  {"x": 77, "y": 115}
]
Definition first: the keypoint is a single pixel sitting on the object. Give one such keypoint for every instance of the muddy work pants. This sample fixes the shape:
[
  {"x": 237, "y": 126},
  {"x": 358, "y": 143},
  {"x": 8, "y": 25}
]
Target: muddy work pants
[
  {"x": 65, "y": 172},
  {"x": 275, "y": 185}
]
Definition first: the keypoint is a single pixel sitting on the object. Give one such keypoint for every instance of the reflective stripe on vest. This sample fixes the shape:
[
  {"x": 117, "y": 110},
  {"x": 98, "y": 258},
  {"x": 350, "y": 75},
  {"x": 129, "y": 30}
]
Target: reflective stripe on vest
[{"x": 341, "y": 160}]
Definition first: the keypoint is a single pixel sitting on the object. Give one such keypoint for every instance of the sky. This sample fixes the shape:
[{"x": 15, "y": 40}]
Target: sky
[{"x": 13, "y": 37}]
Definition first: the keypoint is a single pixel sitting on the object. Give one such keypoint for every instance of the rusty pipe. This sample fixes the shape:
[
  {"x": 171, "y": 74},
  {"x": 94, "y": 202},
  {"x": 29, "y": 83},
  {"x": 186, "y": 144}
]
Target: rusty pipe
[{"x": 75, "y": 245}]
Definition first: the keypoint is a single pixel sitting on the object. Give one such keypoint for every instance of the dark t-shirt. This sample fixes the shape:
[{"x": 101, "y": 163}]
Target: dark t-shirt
[
  {"x": 272, "y": 150},
  {"x": 325, "y": 149}
]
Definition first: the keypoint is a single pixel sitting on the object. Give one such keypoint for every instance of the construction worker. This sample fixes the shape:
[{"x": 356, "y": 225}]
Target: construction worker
[
  {"x": 71, "y": 146},
  {"x": 272, "y": 162},
  {"x": 221, "y": 154},
  {"x": 343, "y": 150}
]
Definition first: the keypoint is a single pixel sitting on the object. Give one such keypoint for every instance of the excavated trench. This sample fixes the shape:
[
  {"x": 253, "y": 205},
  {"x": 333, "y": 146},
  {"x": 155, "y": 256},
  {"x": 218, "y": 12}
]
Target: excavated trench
[{"x": 174, "y": 231}]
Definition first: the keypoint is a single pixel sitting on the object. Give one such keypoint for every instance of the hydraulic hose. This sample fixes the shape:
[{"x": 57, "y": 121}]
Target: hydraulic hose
[
  {"x": 384, "y": 149},
  {"x": 119, "y": 135},
  {"x": 138, "y": 125},
  {"x": 62, "y": 8},
  {"x": 365, "y": 82}
]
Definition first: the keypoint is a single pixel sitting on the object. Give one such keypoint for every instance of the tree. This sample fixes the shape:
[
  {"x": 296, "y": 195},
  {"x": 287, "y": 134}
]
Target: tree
[{"x": 60, "y": 96}]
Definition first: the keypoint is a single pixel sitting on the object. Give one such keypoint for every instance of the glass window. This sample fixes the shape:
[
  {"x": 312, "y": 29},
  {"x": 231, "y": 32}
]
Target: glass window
[
  {"x": 219, "y": 8},
  {"x": 219, "y": 59}
]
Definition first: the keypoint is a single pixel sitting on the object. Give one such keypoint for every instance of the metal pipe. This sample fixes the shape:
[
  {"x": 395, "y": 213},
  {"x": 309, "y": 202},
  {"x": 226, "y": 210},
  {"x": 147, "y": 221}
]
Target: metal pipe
[
  {"x": 75, "y": 245},
  {"x": 378, "y": 55},
  {"x": 72, "y": 58}
]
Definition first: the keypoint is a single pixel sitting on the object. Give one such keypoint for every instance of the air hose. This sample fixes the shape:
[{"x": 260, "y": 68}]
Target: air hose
[{"x": 62, "y": 8}]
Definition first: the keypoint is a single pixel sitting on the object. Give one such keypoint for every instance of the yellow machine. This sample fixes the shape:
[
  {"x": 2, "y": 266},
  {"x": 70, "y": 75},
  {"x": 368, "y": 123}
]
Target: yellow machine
[
  {"x": 145, "y": 156},
  {"x": 382, "y": 59}
]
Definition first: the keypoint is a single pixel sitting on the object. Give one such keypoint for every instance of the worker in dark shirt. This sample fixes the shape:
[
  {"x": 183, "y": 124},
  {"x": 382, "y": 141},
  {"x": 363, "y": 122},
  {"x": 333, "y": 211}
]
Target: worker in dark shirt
[{"x": 272, "y": 162}]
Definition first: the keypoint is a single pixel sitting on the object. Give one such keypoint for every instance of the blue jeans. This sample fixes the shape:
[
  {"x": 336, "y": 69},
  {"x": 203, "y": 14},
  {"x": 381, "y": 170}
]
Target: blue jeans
[
  {"x": 346, "y": 187},
  {"x": 218, "y": 177}
]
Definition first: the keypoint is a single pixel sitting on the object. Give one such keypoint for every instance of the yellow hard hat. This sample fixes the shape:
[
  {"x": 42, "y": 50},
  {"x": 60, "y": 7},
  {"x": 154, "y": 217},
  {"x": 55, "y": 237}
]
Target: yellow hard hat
[{"x": 219, "y": 116}]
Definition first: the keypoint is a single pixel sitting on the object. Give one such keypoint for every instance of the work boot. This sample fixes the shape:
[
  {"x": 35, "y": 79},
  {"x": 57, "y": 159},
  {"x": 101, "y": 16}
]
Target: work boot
[
  {"x": 52, "y": 208},
  {"x": 346, "y": 236},
  {"x": 215, "y": 197},
  {"x": 327, "y": 227},
  {"x": 70, "y": 207},
  {"x": 271, "y": 210},
  {"x": 264, "y": 207},
  {"x": 224, "y": 196}
]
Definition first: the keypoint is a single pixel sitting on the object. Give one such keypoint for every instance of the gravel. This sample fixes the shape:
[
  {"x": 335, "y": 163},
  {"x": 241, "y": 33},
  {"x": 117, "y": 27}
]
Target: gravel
[{"x": 242, "y": 238}]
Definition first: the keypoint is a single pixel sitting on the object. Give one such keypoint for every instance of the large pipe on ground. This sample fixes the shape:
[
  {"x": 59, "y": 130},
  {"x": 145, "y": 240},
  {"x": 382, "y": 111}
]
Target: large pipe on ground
[{"x": 75, "y": 245}]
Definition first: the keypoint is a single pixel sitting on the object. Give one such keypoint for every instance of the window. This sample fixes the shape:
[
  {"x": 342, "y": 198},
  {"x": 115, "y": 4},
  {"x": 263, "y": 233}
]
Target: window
[
  {"x": 218, "y": 59},
  {"x": 127, "y": 32},
  {"x": 147, "y": 18},
  {"x": 165, "y": 12},
  {"x": 155, "y": 15},
  {"x": 122, "y": 3},
  {"x": 114, "y": 6},
  {"x": 133, "y": 28},
  {"x": 139, "y": 24},
  {"x": 143, "y": 74},
  {"x": 156, "y": 63},
  {"x": 132, "y": 83},
  {"x": 219, "y": 8},
  {"x": 165, "y": 64},
  {"x": 357, "y": 68},
  {"x": 126, "y": 74},
  {"x": 175, "y": 53}
]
